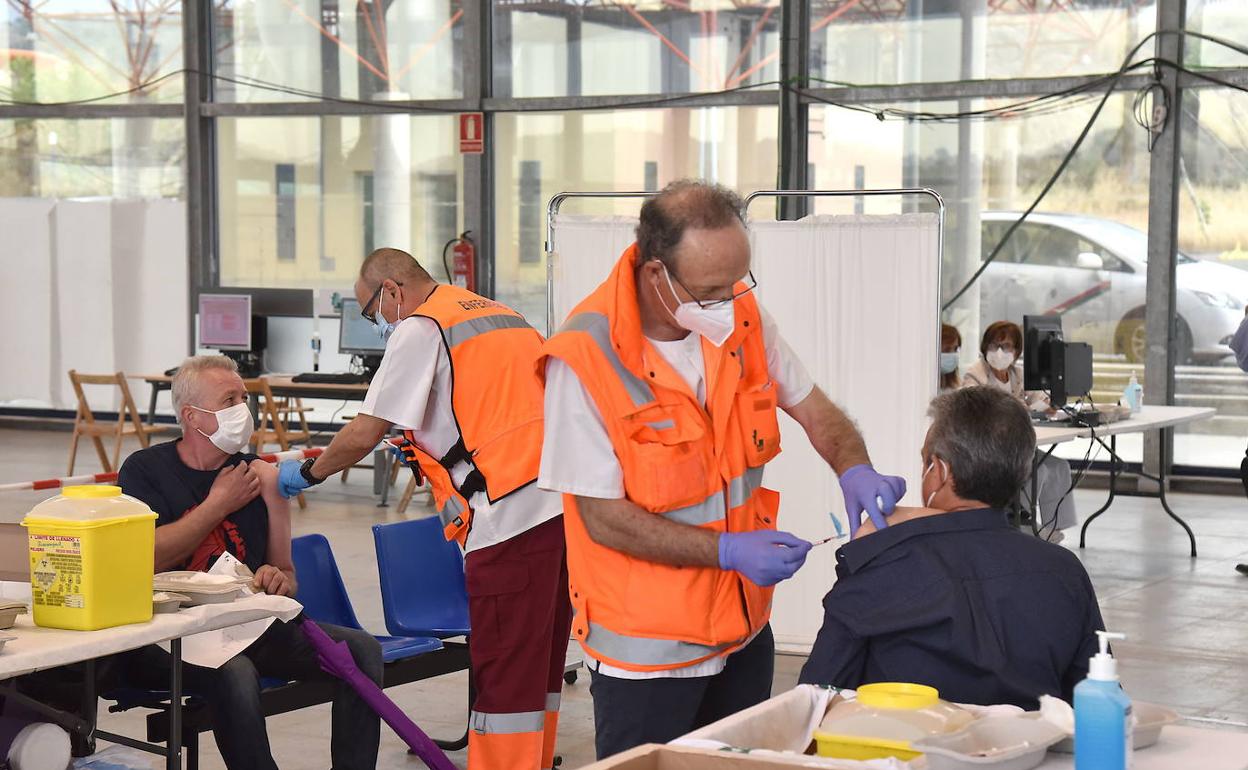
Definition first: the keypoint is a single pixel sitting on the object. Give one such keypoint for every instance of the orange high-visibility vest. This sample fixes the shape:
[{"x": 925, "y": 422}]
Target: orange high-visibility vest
[
  {"x": 496, "y": 396},
  {"x": 693, "y": 465}
]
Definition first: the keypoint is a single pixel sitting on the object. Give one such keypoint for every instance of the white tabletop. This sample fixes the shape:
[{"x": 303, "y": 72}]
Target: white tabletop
[
  {"x": 1148, "y": 418},
  {"x": 36, "y": 648},
  {"x": 1180, "y": 747}
]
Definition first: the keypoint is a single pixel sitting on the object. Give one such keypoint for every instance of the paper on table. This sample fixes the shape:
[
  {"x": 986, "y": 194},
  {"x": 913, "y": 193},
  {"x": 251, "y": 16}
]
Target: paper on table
[{"x": 213, "y": 649}]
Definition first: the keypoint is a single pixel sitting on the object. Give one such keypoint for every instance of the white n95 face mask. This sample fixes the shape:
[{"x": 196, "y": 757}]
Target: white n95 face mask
[
  {"x": 1000, "y": 360},
  {"x": 715, "y": 323},
  {"x": 234, "y": 428}
]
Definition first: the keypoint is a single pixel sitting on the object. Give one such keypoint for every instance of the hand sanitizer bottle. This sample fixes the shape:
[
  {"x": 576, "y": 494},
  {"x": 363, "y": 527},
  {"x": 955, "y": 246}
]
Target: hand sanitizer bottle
[
  {"x": 1133, "y": 394},
  {"x": 1103, "y": 720}
]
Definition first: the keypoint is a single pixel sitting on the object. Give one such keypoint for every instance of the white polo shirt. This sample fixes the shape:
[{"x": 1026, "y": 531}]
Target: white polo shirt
[
  {"x": 412, "y": 391},
  {"x": 577, "y": 456}
]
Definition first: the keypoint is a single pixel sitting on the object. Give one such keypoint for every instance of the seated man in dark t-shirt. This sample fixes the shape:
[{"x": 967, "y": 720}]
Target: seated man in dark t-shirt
[
  {"x": 951, "y": 595},
  {"x": 212, "y": 498}
]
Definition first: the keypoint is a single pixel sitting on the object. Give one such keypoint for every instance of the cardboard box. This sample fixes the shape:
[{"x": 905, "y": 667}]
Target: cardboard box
[{"x": 14, "y": 557}]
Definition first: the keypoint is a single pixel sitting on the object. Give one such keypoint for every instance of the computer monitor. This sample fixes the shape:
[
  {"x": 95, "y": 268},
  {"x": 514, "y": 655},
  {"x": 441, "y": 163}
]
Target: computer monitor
[
  {"x": 1038, "y": 332},
  {"x": 1052, "y": 365},
  {"x": 225, "y": 321},
  {"x": 357, "y": 335}
]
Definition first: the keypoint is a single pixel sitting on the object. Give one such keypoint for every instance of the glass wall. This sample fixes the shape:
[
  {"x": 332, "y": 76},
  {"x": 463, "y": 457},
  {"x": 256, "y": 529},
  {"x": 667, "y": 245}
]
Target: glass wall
[
  {"x": 1212, "y": 274},
  {"x": 540, "y": 154},
  {"x": 303, "y": 200},
  {"x": 913, "y": 41},
  {"x": 573, "y": 48},
  {"x": 114, "y": 158},
  {"x": 268, "y": 51},
  {"x": 70, "y": 50}
]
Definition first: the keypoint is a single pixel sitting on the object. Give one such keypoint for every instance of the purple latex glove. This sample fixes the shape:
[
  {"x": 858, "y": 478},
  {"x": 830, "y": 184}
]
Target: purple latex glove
[
  {"x": 866, "y": 490},
  {"x": 335, "y": 659},
  {"x": 765, "y": 556}
]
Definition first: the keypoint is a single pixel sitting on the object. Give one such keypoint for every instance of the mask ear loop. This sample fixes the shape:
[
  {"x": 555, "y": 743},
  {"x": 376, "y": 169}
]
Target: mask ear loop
[{"x": 928, "y": 503}]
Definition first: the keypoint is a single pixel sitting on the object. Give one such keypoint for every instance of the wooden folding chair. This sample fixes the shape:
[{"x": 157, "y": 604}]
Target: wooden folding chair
[
  {"x": 272, "y": 429},
  {"x": 293, "y": 408},
  {"x": 406, "y": 499},
  {"x": 129, "y": 422}
]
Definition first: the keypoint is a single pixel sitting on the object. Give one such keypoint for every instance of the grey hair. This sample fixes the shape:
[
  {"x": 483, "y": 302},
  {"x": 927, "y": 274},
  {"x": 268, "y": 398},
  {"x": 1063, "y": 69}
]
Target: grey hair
[
  {"x": 186, "y": 381},
  {"x": 985, "y": 436}
]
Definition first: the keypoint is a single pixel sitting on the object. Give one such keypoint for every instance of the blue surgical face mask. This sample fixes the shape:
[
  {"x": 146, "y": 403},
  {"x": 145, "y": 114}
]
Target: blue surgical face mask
[
  {"x": 385, "y": 328},
  {"x": 948, "y": 362}
]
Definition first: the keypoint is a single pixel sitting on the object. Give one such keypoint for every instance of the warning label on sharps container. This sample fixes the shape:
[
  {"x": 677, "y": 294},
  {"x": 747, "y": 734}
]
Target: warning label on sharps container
[{"x": 56, "y": 570}]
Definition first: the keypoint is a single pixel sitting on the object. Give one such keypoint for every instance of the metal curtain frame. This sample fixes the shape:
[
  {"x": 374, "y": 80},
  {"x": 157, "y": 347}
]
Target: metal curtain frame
[{"x": 552, "y": 209}]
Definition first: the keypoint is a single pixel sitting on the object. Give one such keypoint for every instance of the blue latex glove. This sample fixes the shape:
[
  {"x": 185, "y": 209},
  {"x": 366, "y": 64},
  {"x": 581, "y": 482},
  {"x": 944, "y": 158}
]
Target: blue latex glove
[
  {"x": 861, "y": 486},
  {"x": 765, "y": 556},
  {"x": 290, "y": 481}
]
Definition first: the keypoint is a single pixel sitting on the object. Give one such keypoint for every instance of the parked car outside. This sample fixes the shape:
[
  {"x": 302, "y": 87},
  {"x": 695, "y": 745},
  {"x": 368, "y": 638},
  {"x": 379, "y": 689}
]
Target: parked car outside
[{"x": 1092, "y": 272}]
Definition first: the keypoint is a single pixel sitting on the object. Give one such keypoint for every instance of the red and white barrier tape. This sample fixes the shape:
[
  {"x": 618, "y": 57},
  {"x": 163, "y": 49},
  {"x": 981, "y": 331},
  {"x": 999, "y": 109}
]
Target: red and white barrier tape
[{"x": 106, "y": 478}]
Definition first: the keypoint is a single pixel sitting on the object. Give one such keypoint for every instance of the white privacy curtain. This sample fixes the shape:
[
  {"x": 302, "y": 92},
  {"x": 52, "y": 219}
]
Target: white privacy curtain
[
  {"x": 95, "y": 285},
  {"x": 585, "y": 249},
  {"x": 857, "y": 298}
]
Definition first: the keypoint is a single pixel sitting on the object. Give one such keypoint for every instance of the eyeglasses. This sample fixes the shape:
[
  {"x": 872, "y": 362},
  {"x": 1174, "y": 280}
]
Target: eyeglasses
[
  {"x": 372, "y": 317},
  {"x": 750, "y": 285}
]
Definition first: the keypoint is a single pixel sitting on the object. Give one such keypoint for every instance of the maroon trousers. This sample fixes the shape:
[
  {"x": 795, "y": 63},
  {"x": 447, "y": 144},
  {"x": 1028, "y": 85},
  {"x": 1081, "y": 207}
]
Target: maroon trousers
[{"x": 521, "y": 618}]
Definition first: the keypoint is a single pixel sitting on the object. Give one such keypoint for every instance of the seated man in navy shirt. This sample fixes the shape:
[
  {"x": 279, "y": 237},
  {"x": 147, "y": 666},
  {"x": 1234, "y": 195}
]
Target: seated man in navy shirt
[
  {"x": 212, "y": 498},
  {"x": 951, "y": 595}
]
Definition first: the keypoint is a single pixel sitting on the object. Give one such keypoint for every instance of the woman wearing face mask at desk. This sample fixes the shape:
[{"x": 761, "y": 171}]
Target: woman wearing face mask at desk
[
  {"x": 1001, "y": 367},
  {"x": 950, "y": 345}
]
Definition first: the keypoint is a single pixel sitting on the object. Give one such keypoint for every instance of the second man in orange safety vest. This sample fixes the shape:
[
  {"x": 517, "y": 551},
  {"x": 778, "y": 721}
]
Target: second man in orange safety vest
[
  {"x": 459, "y": 379},
  {"x": 661, "y": 395}
]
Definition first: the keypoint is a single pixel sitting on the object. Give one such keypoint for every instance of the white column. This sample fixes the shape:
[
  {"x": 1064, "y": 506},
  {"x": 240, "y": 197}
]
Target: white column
[{"x": 392, "y": 176}]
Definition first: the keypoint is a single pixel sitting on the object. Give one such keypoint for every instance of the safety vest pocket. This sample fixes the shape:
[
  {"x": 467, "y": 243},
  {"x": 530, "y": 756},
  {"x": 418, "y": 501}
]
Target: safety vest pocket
[
  {"x": 666, "y": 463},
  {"x": 760, "y": 428}
]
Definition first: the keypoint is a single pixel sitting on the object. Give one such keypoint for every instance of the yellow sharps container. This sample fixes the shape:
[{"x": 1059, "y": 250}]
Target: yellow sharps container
[{"x": 91, "y": 559}]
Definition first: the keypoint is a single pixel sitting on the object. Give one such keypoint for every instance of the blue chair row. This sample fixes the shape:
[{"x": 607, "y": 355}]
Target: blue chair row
[{"x": 324, "y": 598}]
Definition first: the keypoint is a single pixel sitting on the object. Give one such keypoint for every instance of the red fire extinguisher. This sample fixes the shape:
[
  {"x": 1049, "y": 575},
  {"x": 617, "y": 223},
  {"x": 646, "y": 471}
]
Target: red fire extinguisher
[{"x": 462, "y": 270}]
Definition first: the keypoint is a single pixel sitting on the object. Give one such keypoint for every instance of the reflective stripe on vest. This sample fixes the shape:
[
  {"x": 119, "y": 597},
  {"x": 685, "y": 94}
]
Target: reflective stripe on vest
[
  {"x": 452, "y": 511},
  {"x": 649, "y": 652},
  {"x": 553, "y": 700},
  {"x": 466, "y": 330},
  {"x": 598, "y": 327},
  {"x": 712, "y": 508},
  {"x": 507, "y": 724}
]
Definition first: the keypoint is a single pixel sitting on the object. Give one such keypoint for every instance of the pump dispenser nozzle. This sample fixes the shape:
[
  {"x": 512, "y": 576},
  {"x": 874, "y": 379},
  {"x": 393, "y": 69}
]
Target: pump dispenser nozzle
[{"x": 1103, "y": 667}]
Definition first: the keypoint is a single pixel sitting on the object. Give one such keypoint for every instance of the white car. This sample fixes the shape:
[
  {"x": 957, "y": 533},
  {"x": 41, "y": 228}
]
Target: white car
[{"x": 1092, "y": 272}]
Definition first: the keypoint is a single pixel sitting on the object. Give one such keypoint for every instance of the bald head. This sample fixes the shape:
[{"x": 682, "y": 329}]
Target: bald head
[
  {"x": 394, "y": 264},
  {"x": 392, "y": 284}
]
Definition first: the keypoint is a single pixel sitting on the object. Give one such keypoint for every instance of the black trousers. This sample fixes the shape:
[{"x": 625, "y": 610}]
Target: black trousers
[
  {"x": 1243, "y": 472},
  {"x": 630, "y": 712},
  {"x": 233, "y": 694}
]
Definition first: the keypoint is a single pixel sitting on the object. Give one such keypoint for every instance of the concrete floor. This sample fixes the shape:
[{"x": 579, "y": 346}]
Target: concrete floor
[{"x": 1187, "y": 619}]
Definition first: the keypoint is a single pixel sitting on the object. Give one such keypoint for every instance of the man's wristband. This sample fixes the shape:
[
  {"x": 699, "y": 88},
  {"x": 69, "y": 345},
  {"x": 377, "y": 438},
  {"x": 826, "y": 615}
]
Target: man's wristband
[{"x": 305, "y": 470}]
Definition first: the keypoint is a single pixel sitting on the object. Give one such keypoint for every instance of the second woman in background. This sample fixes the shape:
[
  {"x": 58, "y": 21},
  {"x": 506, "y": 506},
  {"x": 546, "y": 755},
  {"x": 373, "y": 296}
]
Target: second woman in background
[{"x": 1000, "y": 367}]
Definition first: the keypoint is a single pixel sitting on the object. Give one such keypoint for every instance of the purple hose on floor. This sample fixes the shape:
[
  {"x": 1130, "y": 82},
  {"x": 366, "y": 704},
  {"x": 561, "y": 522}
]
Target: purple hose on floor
[{"x": 335, "y": 659}]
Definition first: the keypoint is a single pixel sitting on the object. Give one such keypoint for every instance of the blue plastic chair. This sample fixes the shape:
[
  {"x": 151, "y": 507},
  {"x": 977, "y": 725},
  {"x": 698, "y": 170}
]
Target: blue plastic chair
[
  {"x": 422, "y": 580},
  {"x": 324, "y": 598}
]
